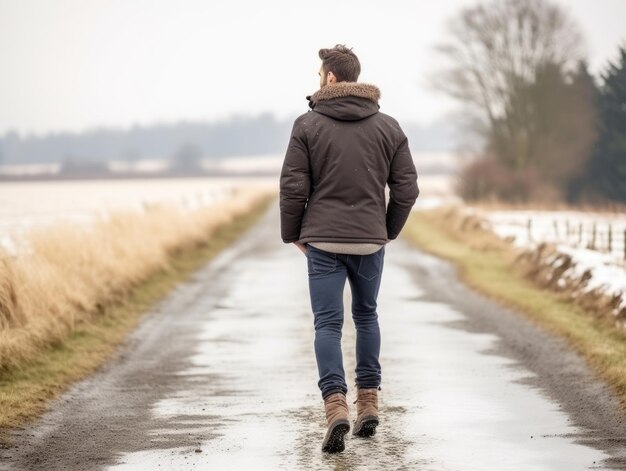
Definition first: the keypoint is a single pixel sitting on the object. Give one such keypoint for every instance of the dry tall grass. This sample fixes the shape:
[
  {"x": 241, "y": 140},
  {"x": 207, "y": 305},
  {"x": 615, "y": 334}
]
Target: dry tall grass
[{"x": 69, "y": 273}]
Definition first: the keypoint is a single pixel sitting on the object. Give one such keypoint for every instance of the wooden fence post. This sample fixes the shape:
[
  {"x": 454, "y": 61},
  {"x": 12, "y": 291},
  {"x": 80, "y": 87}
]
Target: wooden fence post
[
  {"x": 556, "y": 228},
  {"x": 593, "y": 236},
  {"x": 580, "y": 233}
]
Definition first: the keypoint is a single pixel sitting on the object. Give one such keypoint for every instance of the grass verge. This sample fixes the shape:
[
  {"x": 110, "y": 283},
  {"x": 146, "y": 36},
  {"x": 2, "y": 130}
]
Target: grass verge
[
  {"x": 26, "y": 391},
  {"x": 487, "y": 264}
]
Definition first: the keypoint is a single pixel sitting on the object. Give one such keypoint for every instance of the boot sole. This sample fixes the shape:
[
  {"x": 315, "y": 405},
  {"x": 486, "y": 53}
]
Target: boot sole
[
  {"x": 367, "y": 427},
  {"x": 334, "y": 440}
]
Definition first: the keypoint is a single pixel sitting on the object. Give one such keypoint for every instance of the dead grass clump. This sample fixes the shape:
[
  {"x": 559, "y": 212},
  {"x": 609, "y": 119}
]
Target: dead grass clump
[
  {"x": 551, "y": 269},
  {"x": 11, "y": 314},
  {"x": 467, "y": 226}
]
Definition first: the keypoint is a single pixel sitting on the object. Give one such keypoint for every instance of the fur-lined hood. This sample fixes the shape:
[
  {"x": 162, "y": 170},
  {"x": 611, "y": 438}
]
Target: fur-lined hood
[
  {"x": 339, "y": 89},
  {"x": 347, "y": 101}
]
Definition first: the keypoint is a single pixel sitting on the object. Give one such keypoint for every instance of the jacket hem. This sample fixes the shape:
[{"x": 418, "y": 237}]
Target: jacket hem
[{"x": 353, "y": 240}]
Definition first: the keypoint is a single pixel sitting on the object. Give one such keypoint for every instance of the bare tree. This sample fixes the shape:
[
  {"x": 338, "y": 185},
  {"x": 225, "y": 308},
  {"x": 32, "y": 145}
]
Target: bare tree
[{"x": 494, "y": 54}]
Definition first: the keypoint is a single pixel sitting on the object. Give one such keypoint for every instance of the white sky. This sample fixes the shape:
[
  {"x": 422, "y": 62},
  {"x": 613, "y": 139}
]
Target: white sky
[{"x": 77, "y": 64}]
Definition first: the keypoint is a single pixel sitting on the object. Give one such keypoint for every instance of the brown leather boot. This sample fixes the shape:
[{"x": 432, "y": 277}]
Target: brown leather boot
[
  {"x": 367, "y": 412},
  {"x": 338, "y": 424}
]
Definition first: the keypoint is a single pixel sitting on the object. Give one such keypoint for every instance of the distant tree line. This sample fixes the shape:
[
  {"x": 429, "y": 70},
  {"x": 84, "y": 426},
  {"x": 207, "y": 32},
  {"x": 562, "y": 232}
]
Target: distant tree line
[
  {"x": 550, "y": 130},
  {"x": 184, "y": 144},
  {"x": 236, "y": 136}
]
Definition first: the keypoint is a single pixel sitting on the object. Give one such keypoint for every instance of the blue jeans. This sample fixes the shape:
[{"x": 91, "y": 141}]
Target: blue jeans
[{"x": 327, "y": 276}]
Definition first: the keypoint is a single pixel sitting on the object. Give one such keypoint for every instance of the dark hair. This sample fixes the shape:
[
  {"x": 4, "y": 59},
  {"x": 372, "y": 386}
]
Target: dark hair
[{"x": 342, "y": 62}]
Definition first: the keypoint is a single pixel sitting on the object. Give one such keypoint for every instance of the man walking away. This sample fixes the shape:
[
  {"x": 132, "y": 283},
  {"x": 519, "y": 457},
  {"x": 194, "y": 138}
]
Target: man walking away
[{"x": 342, "y": 154}]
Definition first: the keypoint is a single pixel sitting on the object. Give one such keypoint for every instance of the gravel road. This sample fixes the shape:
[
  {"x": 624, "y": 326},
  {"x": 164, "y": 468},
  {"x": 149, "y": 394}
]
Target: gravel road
[{"x": 221, "y": 375}]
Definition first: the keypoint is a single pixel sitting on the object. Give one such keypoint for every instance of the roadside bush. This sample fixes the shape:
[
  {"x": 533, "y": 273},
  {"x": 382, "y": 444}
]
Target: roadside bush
[{"x": 487, "y": 179}]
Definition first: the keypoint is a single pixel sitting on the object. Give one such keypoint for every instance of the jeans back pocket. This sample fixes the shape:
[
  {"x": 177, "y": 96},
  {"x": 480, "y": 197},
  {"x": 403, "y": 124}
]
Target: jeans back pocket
[{"x": 371, "y": 265}]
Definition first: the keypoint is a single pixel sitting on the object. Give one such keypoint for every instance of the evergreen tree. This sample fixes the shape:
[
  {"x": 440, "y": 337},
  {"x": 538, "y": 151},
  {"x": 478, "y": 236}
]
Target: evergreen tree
[
  {"x": 583, "y": 117},
  {"x": 607, "y": 166}
]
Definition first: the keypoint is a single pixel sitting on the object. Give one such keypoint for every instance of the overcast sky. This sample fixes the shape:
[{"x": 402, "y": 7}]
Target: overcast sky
[{"x": 77, "y": 64}]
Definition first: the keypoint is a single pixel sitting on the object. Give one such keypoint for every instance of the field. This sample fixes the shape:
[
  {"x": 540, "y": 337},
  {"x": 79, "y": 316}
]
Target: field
[{"x": 26, "y": 205}]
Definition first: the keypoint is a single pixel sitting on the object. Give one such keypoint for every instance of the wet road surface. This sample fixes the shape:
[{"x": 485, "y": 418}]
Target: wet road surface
[{"x": 222, "y": 375}]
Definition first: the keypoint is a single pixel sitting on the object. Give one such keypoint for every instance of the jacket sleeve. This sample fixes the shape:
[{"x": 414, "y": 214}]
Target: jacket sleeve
[
  {"x": 403, "y": 188},
  {"x": 295, "y": 185}
]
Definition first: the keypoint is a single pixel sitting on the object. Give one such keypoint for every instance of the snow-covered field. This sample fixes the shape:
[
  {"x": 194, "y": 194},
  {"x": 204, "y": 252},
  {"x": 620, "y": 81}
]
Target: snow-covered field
[
  {"x": 24, "y": 205},
  {"x": 572, "y": 233}
]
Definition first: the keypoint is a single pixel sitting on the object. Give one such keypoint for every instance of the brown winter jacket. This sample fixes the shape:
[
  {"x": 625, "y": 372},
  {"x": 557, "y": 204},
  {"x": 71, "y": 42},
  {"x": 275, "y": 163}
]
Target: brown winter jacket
[{"x": 341, "y": 155}]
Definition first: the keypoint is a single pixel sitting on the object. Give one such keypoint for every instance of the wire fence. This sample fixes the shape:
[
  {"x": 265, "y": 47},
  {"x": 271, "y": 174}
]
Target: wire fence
[
  {"x": 605, "y": 234},
  {"x": 608, "y": 237}
]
